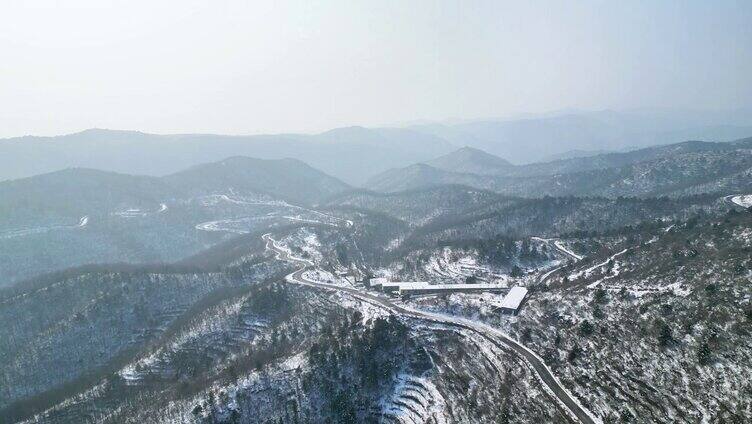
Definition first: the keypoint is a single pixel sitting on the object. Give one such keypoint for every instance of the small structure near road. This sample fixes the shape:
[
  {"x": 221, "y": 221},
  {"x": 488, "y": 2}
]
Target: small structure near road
[
  {"x": 513, "y": 300},
  {"x": 341, "y": 272},
  {"x": 375, "y": 283}
]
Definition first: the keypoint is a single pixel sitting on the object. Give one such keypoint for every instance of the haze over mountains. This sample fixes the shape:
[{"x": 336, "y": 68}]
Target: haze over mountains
[
  {"x": 84, "y": 216},
  {"x": 297, "y": 212},
  {"x": 131, "y": 218},
  {"x": 176, "y": 255},
  {"x": 682, "y": 168},
  {"x": 186, "y": 331},
  {"x": 355, "y": 154},
  {"x": 536, "y": 138},
  {"x": 471, "y": 160},
  {"x": 348, "y": 153},
  {"x": 185, "y": 283}
]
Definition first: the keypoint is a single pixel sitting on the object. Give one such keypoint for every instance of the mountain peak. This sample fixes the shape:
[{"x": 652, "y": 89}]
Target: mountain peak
[
  {"x": 471, "y": 160},
  {"x": 104, "y": 131},
  {"x": 346, "y": 131},
  {"x": 105, "y": 135}
]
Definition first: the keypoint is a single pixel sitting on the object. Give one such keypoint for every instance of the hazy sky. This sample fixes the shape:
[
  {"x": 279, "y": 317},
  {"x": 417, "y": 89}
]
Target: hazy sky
[{"x": 243, "y": 67}]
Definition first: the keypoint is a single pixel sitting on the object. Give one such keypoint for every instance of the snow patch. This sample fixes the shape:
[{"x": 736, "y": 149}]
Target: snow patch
[{"x": 743, "y": 200}]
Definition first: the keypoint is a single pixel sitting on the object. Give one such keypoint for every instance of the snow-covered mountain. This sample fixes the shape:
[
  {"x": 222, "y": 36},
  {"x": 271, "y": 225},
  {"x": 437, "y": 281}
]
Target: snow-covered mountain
[{"x": 239, "y": 291}]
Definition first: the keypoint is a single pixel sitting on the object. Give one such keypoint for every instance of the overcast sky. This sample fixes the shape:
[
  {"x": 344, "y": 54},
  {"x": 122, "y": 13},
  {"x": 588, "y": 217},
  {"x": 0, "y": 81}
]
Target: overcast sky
[{"x": 243, "y": 67}]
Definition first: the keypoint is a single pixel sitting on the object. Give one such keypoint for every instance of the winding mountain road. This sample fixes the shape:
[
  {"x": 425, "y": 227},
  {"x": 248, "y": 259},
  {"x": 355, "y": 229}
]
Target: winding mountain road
[
  {"x": 556, "y": 243},
  {"x": 567, "y": 401},
  {"x": 82, "y": 222}
]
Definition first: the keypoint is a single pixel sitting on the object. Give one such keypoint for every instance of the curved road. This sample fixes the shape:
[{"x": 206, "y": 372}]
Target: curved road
[
  {"x": 556, "y": 243},
  {"x": 568, "y": 402}
]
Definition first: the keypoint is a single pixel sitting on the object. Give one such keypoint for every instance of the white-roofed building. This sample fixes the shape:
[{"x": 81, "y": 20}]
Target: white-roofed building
[
  {"x": 408, "y": 288},
  {"x": 377, "y": 282},
  {"x": 424, "y": 288},
  {"x": 513, "y": 300}
]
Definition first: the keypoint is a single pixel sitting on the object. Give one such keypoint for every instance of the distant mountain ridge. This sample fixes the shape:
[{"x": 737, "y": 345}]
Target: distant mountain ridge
[
  {"x": 350, "y": 154},
  {"x": 471, "y": 160},
  {"x": 683, "y": 168},
  {"x": 355, "y": 154},
  {"x": 421, "y": 175},
  {"x": 536, "y": 138},
  {"x": 574, "y": 154}
]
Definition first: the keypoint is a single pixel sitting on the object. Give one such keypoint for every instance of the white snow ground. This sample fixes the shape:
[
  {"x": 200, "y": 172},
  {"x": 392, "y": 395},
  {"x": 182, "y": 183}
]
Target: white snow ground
[
  {"x": 743, "y": 200},
  {"x": 137, "y": 213}
]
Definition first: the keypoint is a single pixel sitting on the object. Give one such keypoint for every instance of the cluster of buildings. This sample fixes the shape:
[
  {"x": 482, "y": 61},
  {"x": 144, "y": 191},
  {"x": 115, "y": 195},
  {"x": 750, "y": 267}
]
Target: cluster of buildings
[{"x": 510, "y": 305}]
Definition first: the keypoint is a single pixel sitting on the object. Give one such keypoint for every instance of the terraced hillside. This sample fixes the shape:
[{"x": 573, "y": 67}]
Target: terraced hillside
[
  {"x": 238, "y": 344},
  {"x": 652, "y": 325}
]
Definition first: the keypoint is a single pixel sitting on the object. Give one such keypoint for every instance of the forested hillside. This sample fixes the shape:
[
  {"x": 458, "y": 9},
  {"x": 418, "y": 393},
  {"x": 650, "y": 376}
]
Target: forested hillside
[
  {"x": 82, "y": 216},
  {"x": 674, "y": 170}
]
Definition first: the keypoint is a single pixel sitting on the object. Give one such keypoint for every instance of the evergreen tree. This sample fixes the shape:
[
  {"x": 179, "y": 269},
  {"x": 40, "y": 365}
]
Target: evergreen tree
[
  {"x": 574, "y": 353},
  {"x": 598, "y": 312},
  {"x": 625, "y": 416},
  {"x": 601, "y": 296},
  {"x": 527, "y": 335},
  {"x": 504, "y": 415},
  {"x": 516, "y": 272},
  {"x": 665, "y": 336},
  {"x": 703, "y": 353},
  {"x": 586, "y": 328}
]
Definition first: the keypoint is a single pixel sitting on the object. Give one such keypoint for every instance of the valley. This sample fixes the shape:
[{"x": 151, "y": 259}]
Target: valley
[
  {"x": 635, "y": 308},
  {"x": 494, "y": 336}
]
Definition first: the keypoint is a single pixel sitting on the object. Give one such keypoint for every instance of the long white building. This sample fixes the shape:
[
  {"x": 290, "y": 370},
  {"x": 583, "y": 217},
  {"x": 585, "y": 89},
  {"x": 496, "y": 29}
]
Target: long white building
[
  {"x": 425, "y": 288},
  {"x": 407, "y": 288},
  {"x": 513, "y": 300}
]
